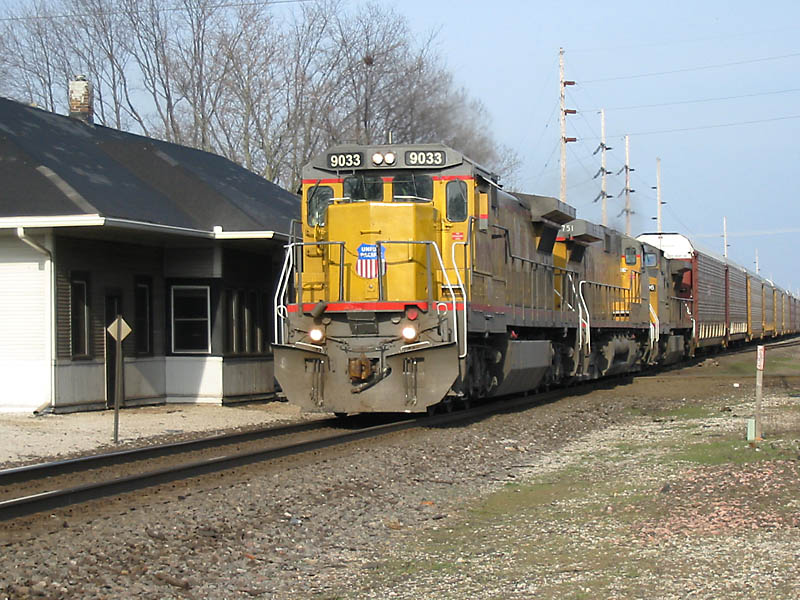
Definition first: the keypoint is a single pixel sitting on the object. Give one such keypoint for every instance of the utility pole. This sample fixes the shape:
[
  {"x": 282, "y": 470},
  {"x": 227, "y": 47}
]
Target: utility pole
[
  {"x": 725, "y": 237},
  {"x": 756, "y": 261},
  {"x": 628, "y": 189},
  {"x": 603, "y": 195},
  {"x": 563, "y": 121},
  {"x": 658, "y": 194}
]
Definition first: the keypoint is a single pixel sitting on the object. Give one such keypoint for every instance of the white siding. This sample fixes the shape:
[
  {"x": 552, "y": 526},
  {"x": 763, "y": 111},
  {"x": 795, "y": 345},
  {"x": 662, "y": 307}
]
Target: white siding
[
  {"x": 194, "y": 379},
  {"x": 25, "y": 330}
]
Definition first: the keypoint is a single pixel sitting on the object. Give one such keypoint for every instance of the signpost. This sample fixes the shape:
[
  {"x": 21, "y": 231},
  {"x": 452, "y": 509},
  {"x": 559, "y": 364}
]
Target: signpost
[
  {"x": 760, "y": 358},
  {"x": 118, "y": 330}
]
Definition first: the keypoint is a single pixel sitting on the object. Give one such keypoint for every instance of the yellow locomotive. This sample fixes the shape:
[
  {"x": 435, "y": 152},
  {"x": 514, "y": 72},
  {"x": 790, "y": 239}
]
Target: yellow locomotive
[{"x": 419, "y": 281}]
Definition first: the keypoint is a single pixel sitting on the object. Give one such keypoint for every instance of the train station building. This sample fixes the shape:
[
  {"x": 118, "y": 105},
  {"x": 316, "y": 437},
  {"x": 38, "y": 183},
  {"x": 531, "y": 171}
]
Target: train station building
[{"x": 185, "y": 245}]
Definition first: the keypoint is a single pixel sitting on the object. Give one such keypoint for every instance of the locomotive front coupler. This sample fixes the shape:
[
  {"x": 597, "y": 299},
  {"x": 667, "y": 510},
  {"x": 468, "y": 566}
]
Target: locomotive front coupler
[{"x": 357, "y": 389}]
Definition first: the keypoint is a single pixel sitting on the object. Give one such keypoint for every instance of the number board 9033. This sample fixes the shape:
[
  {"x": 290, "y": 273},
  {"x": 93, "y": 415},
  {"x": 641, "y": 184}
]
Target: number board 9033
[
  {"x": 425, "y": 158},
  {"x": 345, "y": 160}
]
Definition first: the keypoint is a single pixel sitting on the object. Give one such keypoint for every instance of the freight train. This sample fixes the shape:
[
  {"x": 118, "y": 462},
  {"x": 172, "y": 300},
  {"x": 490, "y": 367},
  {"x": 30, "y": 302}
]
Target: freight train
[{"x": 418, "y": 283}]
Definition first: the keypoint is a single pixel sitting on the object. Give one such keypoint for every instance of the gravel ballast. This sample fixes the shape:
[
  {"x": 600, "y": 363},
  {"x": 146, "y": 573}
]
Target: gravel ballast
[{"x": 602, "y": 494}]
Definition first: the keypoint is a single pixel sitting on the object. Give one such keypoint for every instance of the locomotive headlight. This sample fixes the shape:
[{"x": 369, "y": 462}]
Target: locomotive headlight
[
  {"x": 409, "y": 333},
  {"x": 377, "y": 158},
  {"x": 389, "y": 158},
  {"x": 316, "y": 334}
]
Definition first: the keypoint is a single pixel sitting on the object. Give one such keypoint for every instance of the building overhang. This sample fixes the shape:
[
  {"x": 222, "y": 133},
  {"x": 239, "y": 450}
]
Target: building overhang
[{"x": 97, "y": 226}]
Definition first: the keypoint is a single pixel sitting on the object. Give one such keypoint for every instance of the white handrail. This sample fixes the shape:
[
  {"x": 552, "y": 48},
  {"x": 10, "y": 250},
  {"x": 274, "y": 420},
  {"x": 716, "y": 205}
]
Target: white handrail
[
  {"x": 461, "y": 288},
  {"x": 655, "y": 328},
  {"x": 584, "y": 322},
  {"x": 278, "y": 308},
  {"x": 691, "y": 316}
]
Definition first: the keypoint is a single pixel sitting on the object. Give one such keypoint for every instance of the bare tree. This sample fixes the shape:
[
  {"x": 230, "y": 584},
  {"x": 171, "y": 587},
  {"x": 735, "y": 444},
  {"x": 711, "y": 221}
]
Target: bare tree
[
  {"x": 265, "y": 90},
  {"x": 152, "y": 33},
  {"x": 249, "y": 123},
  {"x": 35, "y": 55},
  {"x": 312, "y": 91},
  {"x": 101, "y": 43}
]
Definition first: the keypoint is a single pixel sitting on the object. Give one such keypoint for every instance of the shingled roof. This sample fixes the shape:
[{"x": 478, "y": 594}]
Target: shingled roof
[{"x": 52, "y": 165}]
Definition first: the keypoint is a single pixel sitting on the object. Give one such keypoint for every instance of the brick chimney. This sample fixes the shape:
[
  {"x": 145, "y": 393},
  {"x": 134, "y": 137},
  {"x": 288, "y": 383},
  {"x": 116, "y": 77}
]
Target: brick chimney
[{"x": 80, "y": 99}]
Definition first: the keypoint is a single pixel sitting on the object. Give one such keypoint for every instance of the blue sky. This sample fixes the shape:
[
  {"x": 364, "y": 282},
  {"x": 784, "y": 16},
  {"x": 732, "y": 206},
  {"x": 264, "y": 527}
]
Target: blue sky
[{"x": 506, "y": 53}]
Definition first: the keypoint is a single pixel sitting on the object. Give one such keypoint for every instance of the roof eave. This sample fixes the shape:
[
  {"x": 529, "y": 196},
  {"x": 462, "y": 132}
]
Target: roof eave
[{"x": 58, "y": 221}]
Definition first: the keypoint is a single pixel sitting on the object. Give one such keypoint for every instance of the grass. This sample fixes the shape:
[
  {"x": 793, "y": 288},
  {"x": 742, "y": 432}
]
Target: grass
[
  {"x": 572, "y": 533},
  {"x": 688, "y": 411},
  {"x": 732, "y": 450},
  {"x": 777, "y": 364}
]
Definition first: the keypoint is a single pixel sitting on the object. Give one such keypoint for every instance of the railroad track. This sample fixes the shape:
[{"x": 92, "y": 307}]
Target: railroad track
[
  {"x": 32, "y": 488},
  {"x": 47, "y": 486},
  {"x": 43, "y": 485},
  {"x": 792, "y": 341}
]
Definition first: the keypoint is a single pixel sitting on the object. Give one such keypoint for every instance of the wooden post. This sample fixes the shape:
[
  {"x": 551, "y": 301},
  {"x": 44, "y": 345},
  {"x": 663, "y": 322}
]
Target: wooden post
[
  {"x": 563, "y": 83},
  {"x": 563, "y": 126}
]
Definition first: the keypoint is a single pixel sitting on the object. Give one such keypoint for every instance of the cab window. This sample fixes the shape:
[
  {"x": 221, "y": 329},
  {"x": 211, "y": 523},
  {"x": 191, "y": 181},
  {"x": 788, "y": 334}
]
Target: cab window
[
  {"x": 412, "y": 187},
  {"x": 630, "y": 256},
  {"x": 650, "y": 259},
  {"x": 363, "y": 188},
  {"x": 319, "y": 197},
  {"x": 456, "y": 201}
]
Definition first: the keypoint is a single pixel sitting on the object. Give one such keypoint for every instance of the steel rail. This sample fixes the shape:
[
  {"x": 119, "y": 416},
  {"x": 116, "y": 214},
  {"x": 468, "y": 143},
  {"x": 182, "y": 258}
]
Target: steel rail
[
  {"x": 95, "y": 461},
  {"x": 29, "y": 505},
  {"x": 18, "y": 507}
]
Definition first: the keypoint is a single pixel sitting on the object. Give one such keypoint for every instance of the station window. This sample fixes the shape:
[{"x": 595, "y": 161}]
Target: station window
[
  {"x": 412, "y": 187},
  {"x": 630, "y": 256},
  {"x": 319, "y": 197},
  {"x": 456, "y": 201},
  {"x": 363, "y": 188},
  {"x": 191, "y": 322},
  {"x": 79, "y": 315},
  {"x": 143, "y": 324}
]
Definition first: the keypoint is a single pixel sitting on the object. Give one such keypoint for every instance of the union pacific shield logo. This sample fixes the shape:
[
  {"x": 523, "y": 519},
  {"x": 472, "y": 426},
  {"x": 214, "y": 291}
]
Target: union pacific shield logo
[{"x": 367, "y": 263}]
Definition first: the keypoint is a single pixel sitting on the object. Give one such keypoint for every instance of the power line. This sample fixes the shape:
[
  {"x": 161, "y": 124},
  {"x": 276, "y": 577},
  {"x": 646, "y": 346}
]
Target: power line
[
  {"x": 690, "y": 69},
  {"x": 161, "y": 10},
  {"x": 697, "y": 101},
  {"x": 673, "y": 42},
  {"x": 750, "y": 233},
  {"x": 699, "y": 127}
]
